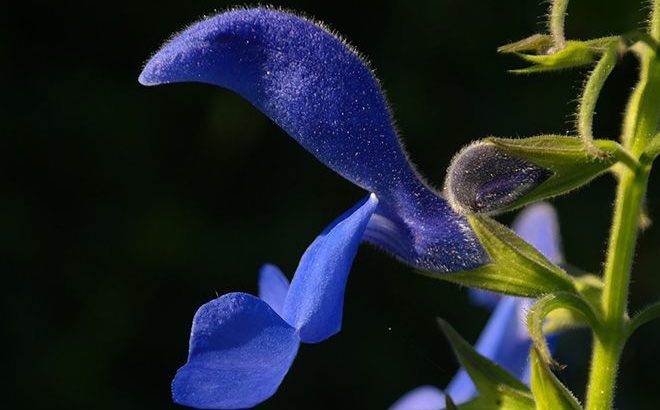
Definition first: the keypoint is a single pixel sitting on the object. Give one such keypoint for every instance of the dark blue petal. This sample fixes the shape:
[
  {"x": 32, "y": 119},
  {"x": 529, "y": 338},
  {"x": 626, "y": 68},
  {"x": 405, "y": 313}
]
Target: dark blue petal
[
  {"x": 482, "y": 178},
  {"x": 537, "y": 224},
  {"x": 304, "y": 78},
  {"x": 421, "y": 398},
  {"x": 422, "y": 230},
  {"x": 504, "y": 340},
  {"x": 322, "y": 93},
  {"x": 315, "y": 300},
  {"x": 273, "y": 287},
  {"x": 240, "y": 350}
]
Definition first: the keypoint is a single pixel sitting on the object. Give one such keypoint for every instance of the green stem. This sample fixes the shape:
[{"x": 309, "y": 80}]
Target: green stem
[
  {"x": 654, "y": 24},
  {"x": 602, "y": 379},
  {"x": 627, "y": 211},
  {"x": 556, "y": 18},
  {"x": 591, "y": 92},
  {"x": 609, "y": 340},
  {"x": 640, "y": 126}
]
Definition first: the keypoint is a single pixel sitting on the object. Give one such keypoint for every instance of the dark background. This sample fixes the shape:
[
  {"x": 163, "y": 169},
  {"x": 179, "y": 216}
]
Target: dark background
[{"x": 124, "y": 208}]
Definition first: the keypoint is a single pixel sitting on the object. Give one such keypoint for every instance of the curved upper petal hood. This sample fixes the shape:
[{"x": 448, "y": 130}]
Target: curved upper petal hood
[
  {"x": 301, "y": 76},
  {"x": 322, "y": 94}
]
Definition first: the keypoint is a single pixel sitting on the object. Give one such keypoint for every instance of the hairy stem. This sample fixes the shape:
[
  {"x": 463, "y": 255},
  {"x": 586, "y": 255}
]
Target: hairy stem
[
  {"x": 627, "y": 211},
  {"x": 556, "y": 18},
  {"x": 591, "y": 92},
  {"x": 654, "y": 24},
  {"x": 602, "y": 379},
  {"x": 608, "y": 341},
  {"x": 640, "y": 126}
]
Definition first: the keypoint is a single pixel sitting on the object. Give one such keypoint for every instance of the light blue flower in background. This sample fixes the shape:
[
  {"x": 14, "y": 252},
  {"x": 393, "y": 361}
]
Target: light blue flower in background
[{"x": 504, "y": 340}]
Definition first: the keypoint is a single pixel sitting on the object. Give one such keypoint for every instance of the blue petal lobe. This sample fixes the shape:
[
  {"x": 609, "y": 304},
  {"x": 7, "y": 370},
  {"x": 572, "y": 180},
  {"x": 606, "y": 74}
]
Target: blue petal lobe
[
  {"x": 504, "y": 340},
  {"x": 421, "y": 398},
  {"x": 538, "y": 225},
  {"x": 304, "y": 78},
  {"x": 315, "y": 300},
  {"x": 273, "y": 287},
  {"x": 240, "y": 350}
]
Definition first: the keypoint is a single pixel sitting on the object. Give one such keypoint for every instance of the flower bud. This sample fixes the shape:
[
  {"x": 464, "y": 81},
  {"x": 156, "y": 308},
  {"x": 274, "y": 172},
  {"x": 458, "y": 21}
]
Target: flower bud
[
  {"x": 499, "y": 174},
  {"x": 482, "y": 178}
]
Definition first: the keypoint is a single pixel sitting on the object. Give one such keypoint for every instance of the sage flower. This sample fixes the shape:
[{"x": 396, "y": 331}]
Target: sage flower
[{"x": 323, "y": 94}]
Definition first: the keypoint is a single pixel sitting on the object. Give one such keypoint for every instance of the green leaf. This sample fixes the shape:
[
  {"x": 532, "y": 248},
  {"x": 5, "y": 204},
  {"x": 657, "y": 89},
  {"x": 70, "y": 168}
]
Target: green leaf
[
  {"x": 572, "y": 165},
  {"x": 498, "y": 389},
  {"x": 653, "y": 149},
  {"x": 549, "y": 303},
  {"x": 507, "y": 400},
  {"x": 538, "y": 43},
  {"x": 516, "y": 267},
  {"x": 590, "y": 288},
  {"x": 573, "y": 54},
  {"x": 549, "y": 392},
  {"x": 644, "y": 316}
]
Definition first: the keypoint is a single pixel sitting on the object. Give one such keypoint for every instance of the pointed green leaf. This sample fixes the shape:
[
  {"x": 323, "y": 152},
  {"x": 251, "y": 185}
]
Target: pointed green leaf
[
  {"x": 449, "y": 403},
  {"x": 653, "y": 149},
  {"x": 537, "y": 43},
  {"x": 497, "y": 387},
  {"x": 573, "y": 54},
  {"x": 516, "y": 267},
  {"x": 590, "y": 288},
  {"x": 507, "y": 400},
  {"x": 549, "y": 303},
  {"x": 549, "y": 392},
  {"x": 647, "y": 314}
]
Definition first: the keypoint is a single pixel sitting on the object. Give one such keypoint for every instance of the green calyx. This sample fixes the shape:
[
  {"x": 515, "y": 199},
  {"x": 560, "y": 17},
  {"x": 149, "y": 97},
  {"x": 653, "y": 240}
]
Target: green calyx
[
  {"x": 534, "y": 275},
  {"x": 572, "y": 164}
]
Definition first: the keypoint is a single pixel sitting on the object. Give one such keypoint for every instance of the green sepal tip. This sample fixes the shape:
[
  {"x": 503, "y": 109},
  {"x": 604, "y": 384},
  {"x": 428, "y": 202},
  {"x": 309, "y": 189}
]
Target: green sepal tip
[
  {"x": 549, "y": 392},
  {"x": 497, "y": 388},
  {"x": 516, "y": 267}
]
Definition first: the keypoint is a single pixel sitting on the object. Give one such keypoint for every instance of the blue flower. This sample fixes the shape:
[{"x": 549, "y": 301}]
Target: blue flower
[
  {"x": 504, "y": 339},
  {"x": 241, "y": 346},
  {"x": 322, "y": 93}
]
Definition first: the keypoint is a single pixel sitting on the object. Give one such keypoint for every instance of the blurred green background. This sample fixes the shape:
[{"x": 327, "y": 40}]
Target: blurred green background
[{"x": 124, "y": 208}]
